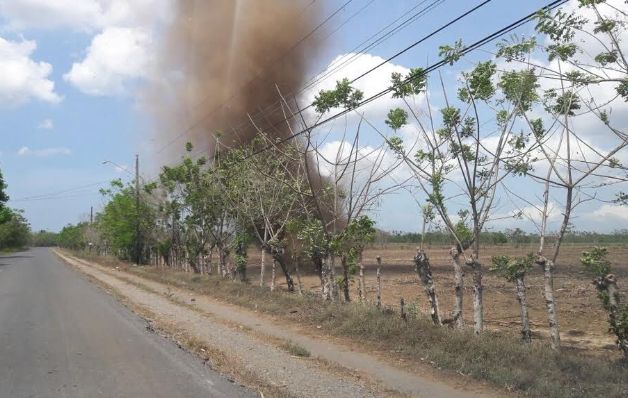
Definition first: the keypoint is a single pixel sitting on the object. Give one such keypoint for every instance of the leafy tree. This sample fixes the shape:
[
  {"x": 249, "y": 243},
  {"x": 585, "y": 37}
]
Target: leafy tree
[
  {"x": 514, "y": 270},
  {"x": 44, "y": 239},
  {"x": 596, "y": 263},
  {"x": 73, "y": 237},
  {"x": 5, "y": 213},
  {"x": 117, "y": 223},
  {"x": 14, "y": 231}
]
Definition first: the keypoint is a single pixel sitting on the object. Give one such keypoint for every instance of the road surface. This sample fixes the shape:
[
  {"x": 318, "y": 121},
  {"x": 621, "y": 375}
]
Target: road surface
[{"x": 61, "y": 336}]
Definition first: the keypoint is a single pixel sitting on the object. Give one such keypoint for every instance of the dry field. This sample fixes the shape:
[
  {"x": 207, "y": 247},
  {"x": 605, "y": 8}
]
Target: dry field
[{"x": 583, "y": 323}]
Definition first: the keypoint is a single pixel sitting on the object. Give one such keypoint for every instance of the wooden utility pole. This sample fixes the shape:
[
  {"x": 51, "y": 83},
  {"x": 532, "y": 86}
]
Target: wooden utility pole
[{"x": 138, "y": 238}]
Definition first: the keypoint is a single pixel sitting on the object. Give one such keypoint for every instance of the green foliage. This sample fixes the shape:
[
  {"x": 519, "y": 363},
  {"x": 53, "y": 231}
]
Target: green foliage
[
  {"x": 451, "y": 53},
  {"x": 413, "y": 84},
  {"x": 595, "y": 261},
  {"x": 512, "y": 268},
  {"x": 606, "y": 58},
  {"x": 344, "y": 95},
  {"x": 44, "y": 239},
  {"x": 519, "y": 50},
  {"x": 5, "y": 213},
  {"x": 566, "y": 104},
  {"x": 14, "y": 231},
  {"x": 397, "y": 118},
  {"x": 396, "y": 144},
  {"x": 117, "y": 223},
  {"x": 479, "y": 84},
  {"x": 72, "y": 237},
  {"x": 520, "y": 88},
  {"x": 560, "y": 26},
  {"x": 622, "y": 90},
  {"x": 561, "y": 51}
]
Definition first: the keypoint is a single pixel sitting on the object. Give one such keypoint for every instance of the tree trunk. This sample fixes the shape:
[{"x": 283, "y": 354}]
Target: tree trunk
[
  {"x": 457, "y": 317},
  {"x": 298, "y": 272},
  {"x": 424, "y": 271},
  {"x": 345, "y": 281},
  {"x": 550, "y": 304},
  {"x": 223, "y": 262},
  {"x": 478, "y": 305},
  {"x": 362, "y": 285},
  {"x": 379, "y": 282},
  {"x": 277, "y": 257},
  {"x": 613, "y": 303},
  {"x": 273, "y": 275},
  {"x": 520, "y": 288},
  {"x": 262, "y": 267},
  {"x": 325, "y": 288},
  {"x": 333, "y": 287}
]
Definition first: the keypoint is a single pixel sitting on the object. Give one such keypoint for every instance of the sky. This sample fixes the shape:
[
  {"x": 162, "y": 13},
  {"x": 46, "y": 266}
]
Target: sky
[{"x": 71, "y": 74}]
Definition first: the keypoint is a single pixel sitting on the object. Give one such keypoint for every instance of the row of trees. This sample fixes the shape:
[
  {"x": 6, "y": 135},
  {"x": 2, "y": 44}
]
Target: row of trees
[
  {"x": 532, "y": 123},
  {"x": 14, "y": 228}
]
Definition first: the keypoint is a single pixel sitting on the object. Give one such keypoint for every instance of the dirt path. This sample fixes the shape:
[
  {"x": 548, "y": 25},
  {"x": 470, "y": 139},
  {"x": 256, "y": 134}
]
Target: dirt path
[{"x": 300, "y": 377}]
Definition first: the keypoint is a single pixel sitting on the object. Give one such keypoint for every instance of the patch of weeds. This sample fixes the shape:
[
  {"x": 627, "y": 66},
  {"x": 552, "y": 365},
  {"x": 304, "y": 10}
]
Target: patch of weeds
[{"x": 296, "y": 349}]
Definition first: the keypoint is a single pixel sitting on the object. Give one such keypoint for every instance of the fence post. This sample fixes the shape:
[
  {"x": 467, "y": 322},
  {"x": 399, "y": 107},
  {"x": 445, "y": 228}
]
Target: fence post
[{"x": 379, "y": 282}]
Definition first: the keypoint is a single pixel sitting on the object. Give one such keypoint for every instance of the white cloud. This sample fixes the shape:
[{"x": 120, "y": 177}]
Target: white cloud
[
  {"x": 83, "y": 15},
  {"x": 44, "y": 153},
  {"x": 377, "y": 80},
  {"x": 116, "y": 58},
  {"x": 46, "y": 124},
  {"x": 21, "y": 78},
  {"x": 608, "y": 212}
]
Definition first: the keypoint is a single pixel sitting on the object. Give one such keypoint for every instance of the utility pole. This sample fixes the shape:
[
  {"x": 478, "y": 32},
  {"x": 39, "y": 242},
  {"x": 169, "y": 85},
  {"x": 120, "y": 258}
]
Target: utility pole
[
  {"x": 91, "y": 215},
  {"x": 138, "y": 244}
]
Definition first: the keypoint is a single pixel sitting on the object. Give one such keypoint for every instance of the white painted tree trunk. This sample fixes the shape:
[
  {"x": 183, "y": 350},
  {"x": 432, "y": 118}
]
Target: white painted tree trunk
[
  {"x": 362, "y": 284},
  {"x": 333, "y": 288},
  {"x": 520, "y": 288},
  {"x": 478, "y": 305},
  {"x": 273, "y": 277},
  {"x": 379, "y": 282},
  {"x": 457, "y": 315},
  {"x": 424, "y": 271},
  {"x": 550, "y": 303},
  {"x": 262, "y": 267}
]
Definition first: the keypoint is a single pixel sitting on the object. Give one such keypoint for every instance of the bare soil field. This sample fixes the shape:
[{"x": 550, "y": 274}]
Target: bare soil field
[{"x": 583, "y": 323}]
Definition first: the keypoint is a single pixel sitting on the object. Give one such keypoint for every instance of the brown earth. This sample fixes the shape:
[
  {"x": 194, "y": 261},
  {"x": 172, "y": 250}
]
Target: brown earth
[{"x": 583, "y": 322}]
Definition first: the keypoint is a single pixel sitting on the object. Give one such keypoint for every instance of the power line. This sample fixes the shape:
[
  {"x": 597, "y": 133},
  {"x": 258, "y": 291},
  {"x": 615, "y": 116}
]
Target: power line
[
  {"x": 355, "y": 53},
  {"x": 487, "y": 39},
  {"x": 57, "y": 193}
]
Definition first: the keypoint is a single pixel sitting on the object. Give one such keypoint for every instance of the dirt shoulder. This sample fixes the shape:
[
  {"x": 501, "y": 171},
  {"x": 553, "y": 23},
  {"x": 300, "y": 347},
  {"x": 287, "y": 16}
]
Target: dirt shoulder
[{"x": 252, "y": 343}]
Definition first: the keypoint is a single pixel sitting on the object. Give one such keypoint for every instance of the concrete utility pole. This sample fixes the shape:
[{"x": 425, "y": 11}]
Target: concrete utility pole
[
  {"x": 138, "y": 238},
  {"x": 91, "y": 215}
]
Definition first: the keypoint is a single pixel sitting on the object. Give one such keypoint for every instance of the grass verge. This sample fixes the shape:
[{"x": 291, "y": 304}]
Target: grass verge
[{"x": 496, "y": 357}]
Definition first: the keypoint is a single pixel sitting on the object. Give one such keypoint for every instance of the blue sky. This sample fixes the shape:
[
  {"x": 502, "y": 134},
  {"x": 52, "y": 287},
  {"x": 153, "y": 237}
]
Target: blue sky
[{"x": 55, "y": 140}]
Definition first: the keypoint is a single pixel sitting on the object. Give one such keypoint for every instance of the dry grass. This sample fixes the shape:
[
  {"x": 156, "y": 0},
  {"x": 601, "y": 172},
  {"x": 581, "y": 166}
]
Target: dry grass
[
  {"x": 296, "y": 350},
  {"x": 497, "y": 356}
]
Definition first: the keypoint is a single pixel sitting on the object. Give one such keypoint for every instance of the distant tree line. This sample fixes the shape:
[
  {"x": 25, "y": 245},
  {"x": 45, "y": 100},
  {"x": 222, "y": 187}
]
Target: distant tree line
[{"x": 516, "y": 237}]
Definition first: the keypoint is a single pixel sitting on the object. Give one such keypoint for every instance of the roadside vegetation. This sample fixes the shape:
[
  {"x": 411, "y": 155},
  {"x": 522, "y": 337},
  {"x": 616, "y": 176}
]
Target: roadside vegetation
[
  {"x": 517, "y": 128},
  {"x": 14, "y": 228}
]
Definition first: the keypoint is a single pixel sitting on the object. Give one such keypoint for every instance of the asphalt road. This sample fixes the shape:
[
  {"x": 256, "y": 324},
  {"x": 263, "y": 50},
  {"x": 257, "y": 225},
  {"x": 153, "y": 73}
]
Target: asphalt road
[{"x": 61, "y": 336}]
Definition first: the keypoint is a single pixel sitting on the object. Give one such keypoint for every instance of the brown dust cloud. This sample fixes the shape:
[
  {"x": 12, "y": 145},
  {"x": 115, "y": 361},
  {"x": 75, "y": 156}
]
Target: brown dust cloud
[{"x": 223, "y": 62}]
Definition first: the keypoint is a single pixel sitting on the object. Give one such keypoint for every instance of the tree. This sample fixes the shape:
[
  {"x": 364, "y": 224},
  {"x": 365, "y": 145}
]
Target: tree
[
  {"x": 72, "y": 237},
  {"x": 578, "y": 91},
  {"x": 117, "y": 222},
  {"x": 264, "y": 192},
  {"x": 514, "y": 270},
  {"x": 612, "y": 300},
  {"x": 457, "y": 150},
  {"x": 5, "y": 213},
  {"x": 14, "y": 231},
  {"x": 199, "y": 208}
]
